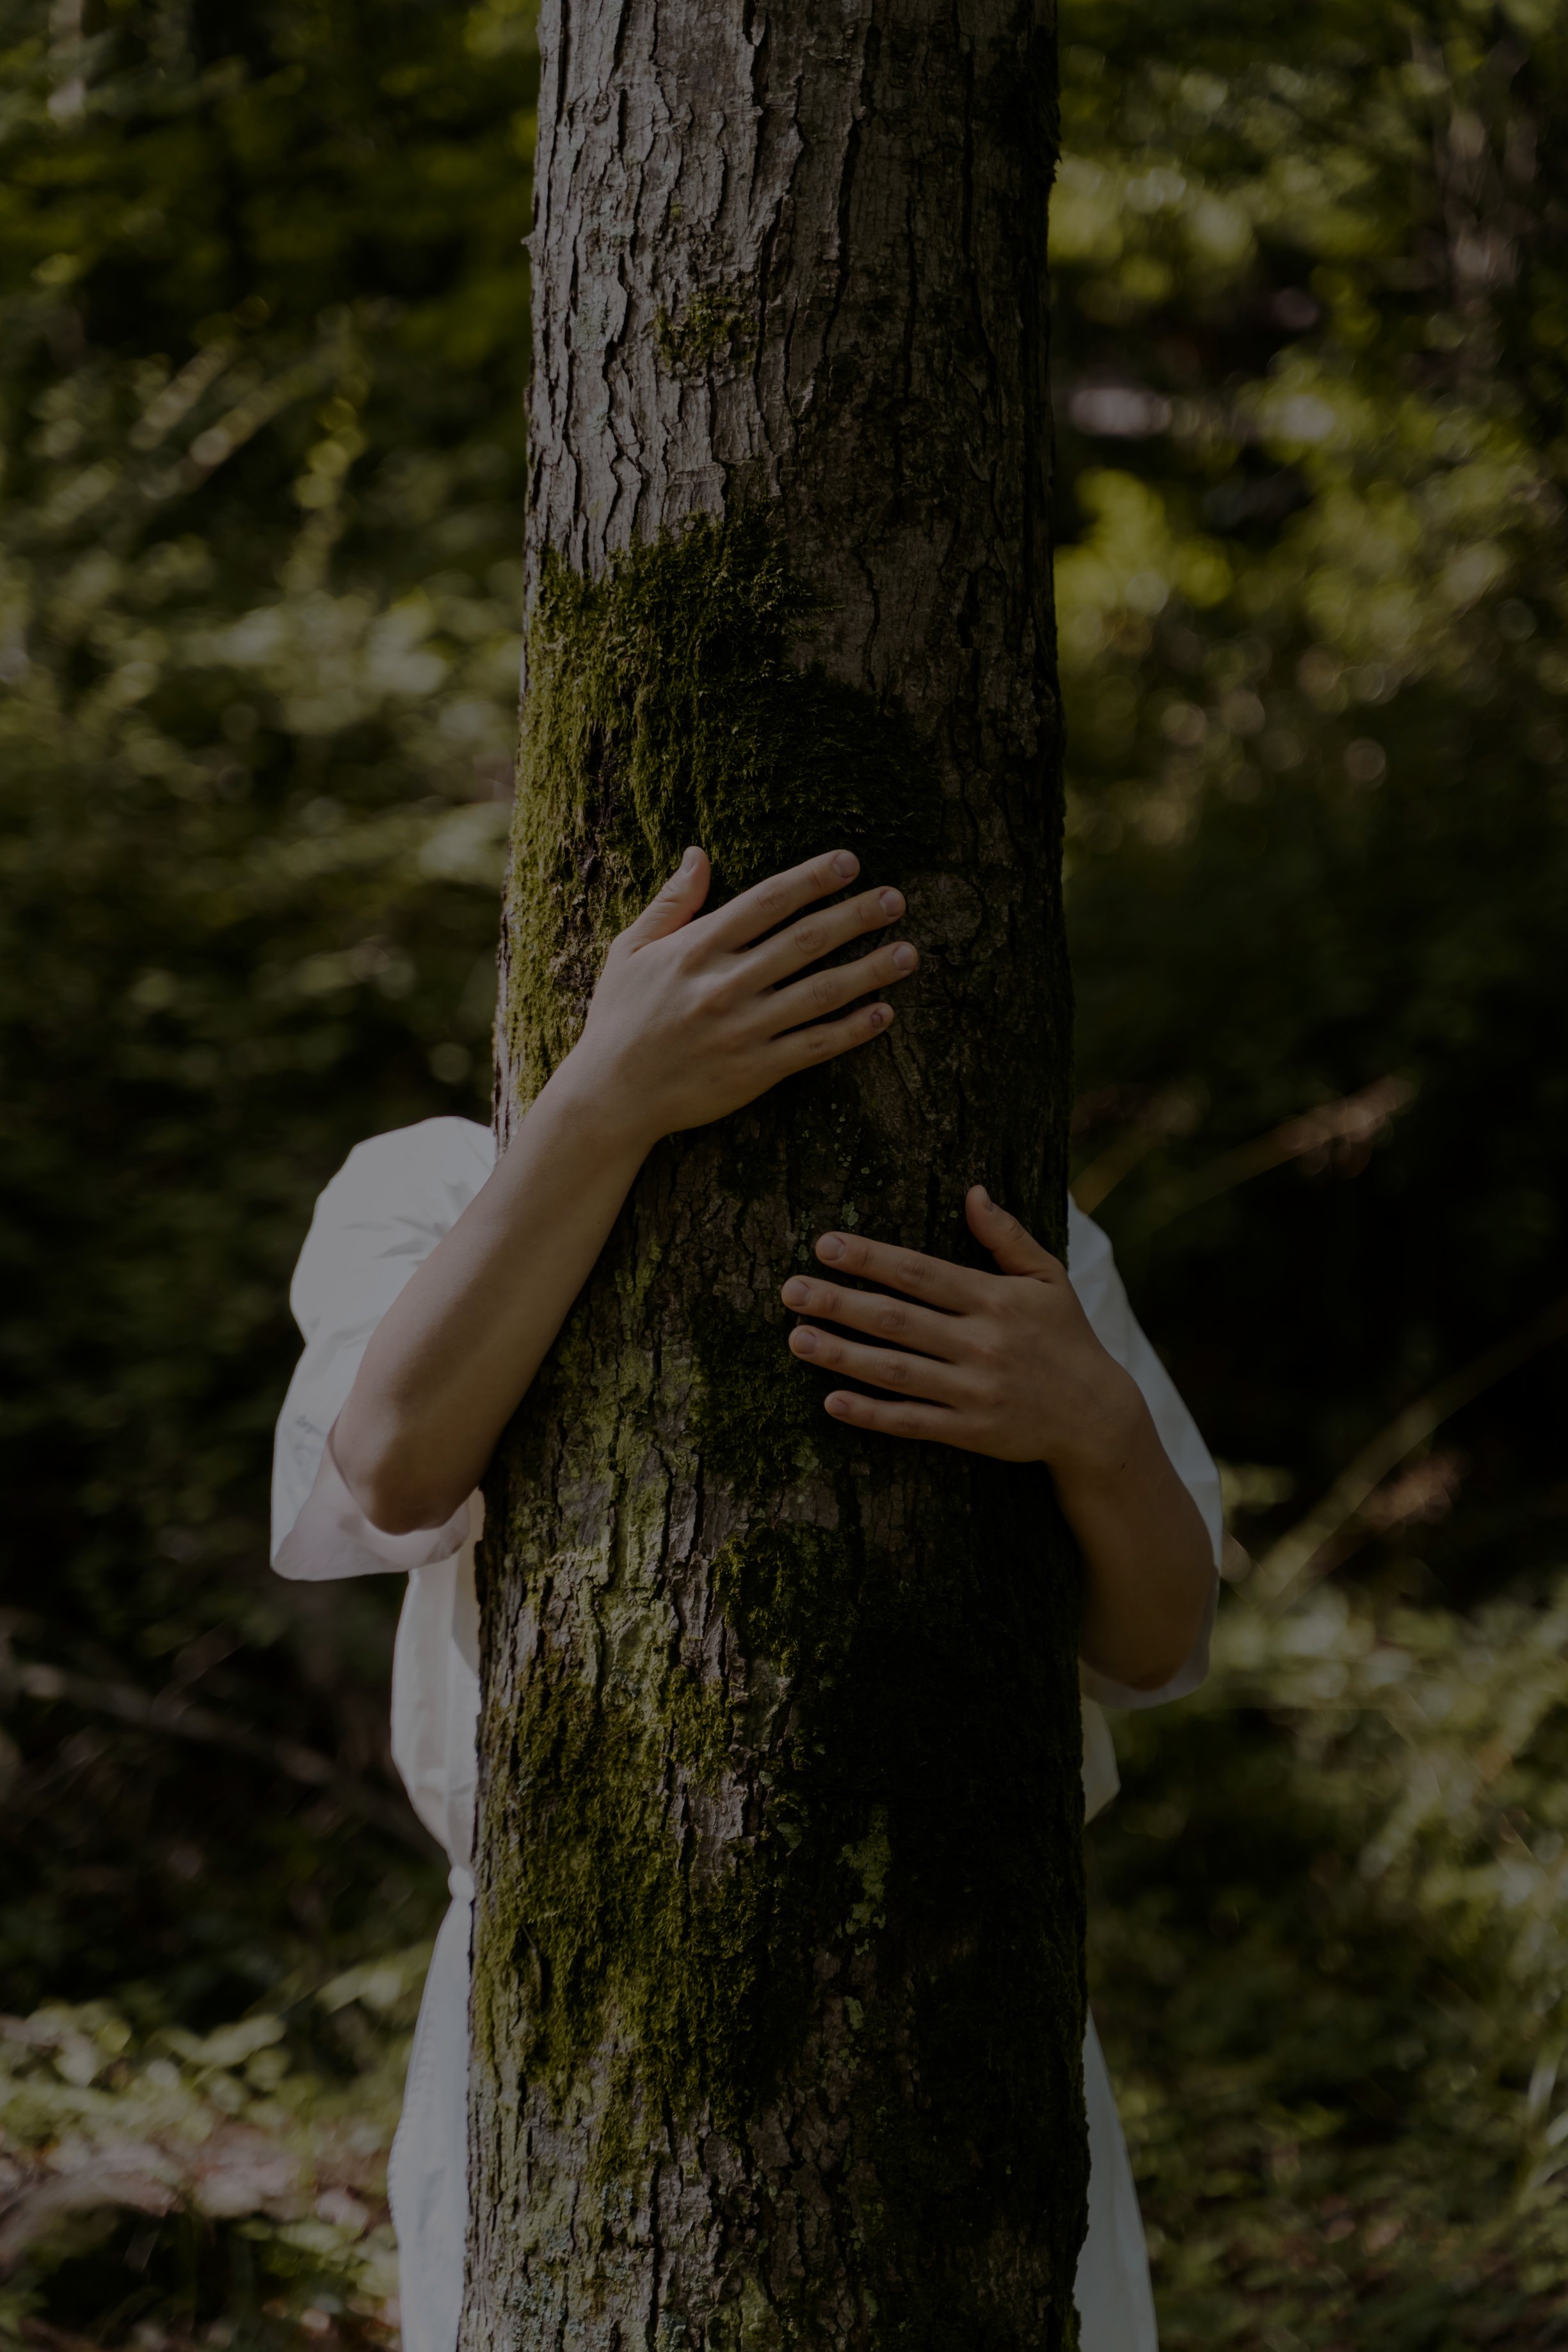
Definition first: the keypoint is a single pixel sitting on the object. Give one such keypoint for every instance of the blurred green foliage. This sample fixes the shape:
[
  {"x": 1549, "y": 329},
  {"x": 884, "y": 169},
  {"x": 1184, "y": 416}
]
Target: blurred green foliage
[
  {"x": 1311, "y": 319},
  {"x": 262, "y": 351},
  {"x": 240, "y": 2171},
  {"x": 1329, "y": 1926},
  {"x": 263, "y": 347}
]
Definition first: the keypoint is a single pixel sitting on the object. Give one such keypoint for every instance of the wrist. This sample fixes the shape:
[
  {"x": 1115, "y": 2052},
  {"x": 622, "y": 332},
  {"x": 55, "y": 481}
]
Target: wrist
[
  {"x": 591, "y": 1099},
  {"x": 1110, "y": 1438}
]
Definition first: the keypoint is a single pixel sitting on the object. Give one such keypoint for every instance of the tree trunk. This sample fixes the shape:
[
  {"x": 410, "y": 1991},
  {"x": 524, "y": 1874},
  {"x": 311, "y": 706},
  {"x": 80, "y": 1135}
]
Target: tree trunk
[{"x": 778, "y": 1983}]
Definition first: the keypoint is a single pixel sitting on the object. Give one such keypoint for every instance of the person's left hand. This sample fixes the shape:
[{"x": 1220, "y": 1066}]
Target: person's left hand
[{"x": 1006, "y": 1364}]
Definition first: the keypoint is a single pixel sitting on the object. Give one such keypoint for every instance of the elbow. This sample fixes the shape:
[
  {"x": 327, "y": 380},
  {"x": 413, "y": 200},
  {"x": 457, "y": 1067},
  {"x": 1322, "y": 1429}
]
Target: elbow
[
  {"x": 395, "y": 1507},
  {"x": 1145, "y": 1658},
  {"x": 394, "y": 1510},
  {"x": 384, "y": 1483},
  {"x": 1142, "y": 1669},
  {"x": 1153, "y": 1677}
]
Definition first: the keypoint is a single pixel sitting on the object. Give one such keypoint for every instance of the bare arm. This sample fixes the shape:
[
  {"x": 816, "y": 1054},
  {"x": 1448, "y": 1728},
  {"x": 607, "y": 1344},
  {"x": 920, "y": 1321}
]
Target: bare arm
[
  {"x": 1008, "y": 1364},
  {"x": 691, "y": 1019},
  {"x": 457, "y": 1348}
]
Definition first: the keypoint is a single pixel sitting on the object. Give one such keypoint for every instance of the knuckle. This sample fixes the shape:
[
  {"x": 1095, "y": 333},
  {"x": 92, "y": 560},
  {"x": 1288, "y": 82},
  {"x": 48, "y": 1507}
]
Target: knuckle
[
  {"x": 895, "y": 1373},
  {"x": 911, "y": 1274},
  {"x": 890, "y": 1317},
  {"x": 819, "y": 1044},
  {"x": 822, "y": 992},
  {"x": 808, "y": 938}
]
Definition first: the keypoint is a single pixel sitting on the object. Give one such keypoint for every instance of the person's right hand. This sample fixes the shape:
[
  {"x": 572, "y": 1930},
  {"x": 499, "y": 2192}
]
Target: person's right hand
[{"x": 692, "y": 1018}]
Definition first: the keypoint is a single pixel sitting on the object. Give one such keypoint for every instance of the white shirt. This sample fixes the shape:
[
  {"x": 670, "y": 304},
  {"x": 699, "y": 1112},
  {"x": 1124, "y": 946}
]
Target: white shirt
[{"x": 392, "y": 1201}]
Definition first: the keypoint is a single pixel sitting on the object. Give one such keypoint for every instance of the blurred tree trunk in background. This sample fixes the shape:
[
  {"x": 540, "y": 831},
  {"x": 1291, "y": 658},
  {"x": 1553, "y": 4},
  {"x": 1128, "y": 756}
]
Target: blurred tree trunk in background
[{"x": 778, "y": 2003}]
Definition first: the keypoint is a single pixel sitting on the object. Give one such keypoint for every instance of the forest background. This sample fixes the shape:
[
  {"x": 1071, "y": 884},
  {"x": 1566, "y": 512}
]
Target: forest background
[{"x": 263, "y": 345}]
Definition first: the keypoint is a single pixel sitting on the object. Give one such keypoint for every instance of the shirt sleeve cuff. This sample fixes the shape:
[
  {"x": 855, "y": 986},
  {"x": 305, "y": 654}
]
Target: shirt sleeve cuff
[{"x": 331, "y": 1538}]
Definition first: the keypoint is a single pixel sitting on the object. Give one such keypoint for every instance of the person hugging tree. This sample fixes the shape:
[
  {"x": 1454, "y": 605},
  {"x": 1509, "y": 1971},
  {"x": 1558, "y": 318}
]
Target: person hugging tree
[{"x": 435, "y": 1277}]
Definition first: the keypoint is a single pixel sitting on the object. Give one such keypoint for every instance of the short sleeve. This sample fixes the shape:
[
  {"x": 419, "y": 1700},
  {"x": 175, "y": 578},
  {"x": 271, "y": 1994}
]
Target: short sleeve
[
  {"x": 378, "y": 1220},
  {"x": 1091, "y": 1268}
]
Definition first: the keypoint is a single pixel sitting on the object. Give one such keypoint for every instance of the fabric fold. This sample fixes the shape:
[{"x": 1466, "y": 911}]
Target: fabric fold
[{"x": 333, "y": 1538}]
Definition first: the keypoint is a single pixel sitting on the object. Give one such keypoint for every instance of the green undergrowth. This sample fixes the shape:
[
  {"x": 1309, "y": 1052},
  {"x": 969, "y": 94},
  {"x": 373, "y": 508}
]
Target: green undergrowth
[
  {"x": 668, "y": 703},
  {"x": 1330, "y": 1961},
  {"x": 227, "y": 2188}
]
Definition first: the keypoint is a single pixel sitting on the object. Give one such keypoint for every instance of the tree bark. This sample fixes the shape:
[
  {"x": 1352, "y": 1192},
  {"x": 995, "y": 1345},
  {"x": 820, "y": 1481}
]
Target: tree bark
[{"x": 778, "y": 1981}]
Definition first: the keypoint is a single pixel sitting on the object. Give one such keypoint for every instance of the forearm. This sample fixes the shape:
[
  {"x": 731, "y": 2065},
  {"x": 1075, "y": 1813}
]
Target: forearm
[
  {"x": 1148, "y": 1561},
  {"x": 450, "y": 1360}
]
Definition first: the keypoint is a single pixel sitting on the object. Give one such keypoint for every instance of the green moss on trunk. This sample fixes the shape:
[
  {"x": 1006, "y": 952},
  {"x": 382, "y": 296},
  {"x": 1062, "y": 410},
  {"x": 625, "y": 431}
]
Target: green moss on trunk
[
  {"x": 780, "y": 1877},
  {"x": 667, "y": 704}
]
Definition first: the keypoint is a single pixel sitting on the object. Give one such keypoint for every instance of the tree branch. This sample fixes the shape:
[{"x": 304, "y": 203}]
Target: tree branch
[{"x": 174, "y": 1718}]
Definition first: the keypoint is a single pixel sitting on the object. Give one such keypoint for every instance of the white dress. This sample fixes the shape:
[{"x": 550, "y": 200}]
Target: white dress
[{"x": 379, "y": 1218}]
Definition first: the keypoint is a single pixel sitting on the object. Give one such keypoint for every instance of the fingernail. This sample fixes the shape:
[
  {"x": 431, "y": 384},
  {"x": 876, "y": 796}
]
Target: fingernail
[
  {"x": 796, "y": 1293},
  {"x": 891, "y": 903},
  {"x": 845, "y": 864},
  {"x": 831, "y": 1246},
  {"x": 880, "y": 1015},
  {"x": 803, "y": 1340},
  {"x": 690, "y": 862},
  {"x": 904, "y": 959}
]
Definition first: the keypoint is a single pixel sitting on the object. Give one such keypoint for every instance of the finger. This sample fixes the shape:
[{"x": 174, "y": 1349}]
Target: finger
[
  {"x": 825, "y": 992},
  {"x": 818, "y": 933},
  {"x": 1015, "y": 1251},
  {"x": 935, "y": 1422},
  {"x": 804, "y": 1049},
  {"x": 934, "y": 1281},
  {"x": 768, "y": 904},
  {"x": 676, "y": 904},
  {"x": 881, "y": 1367},
  {"x": 873, "y": 1310}
]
